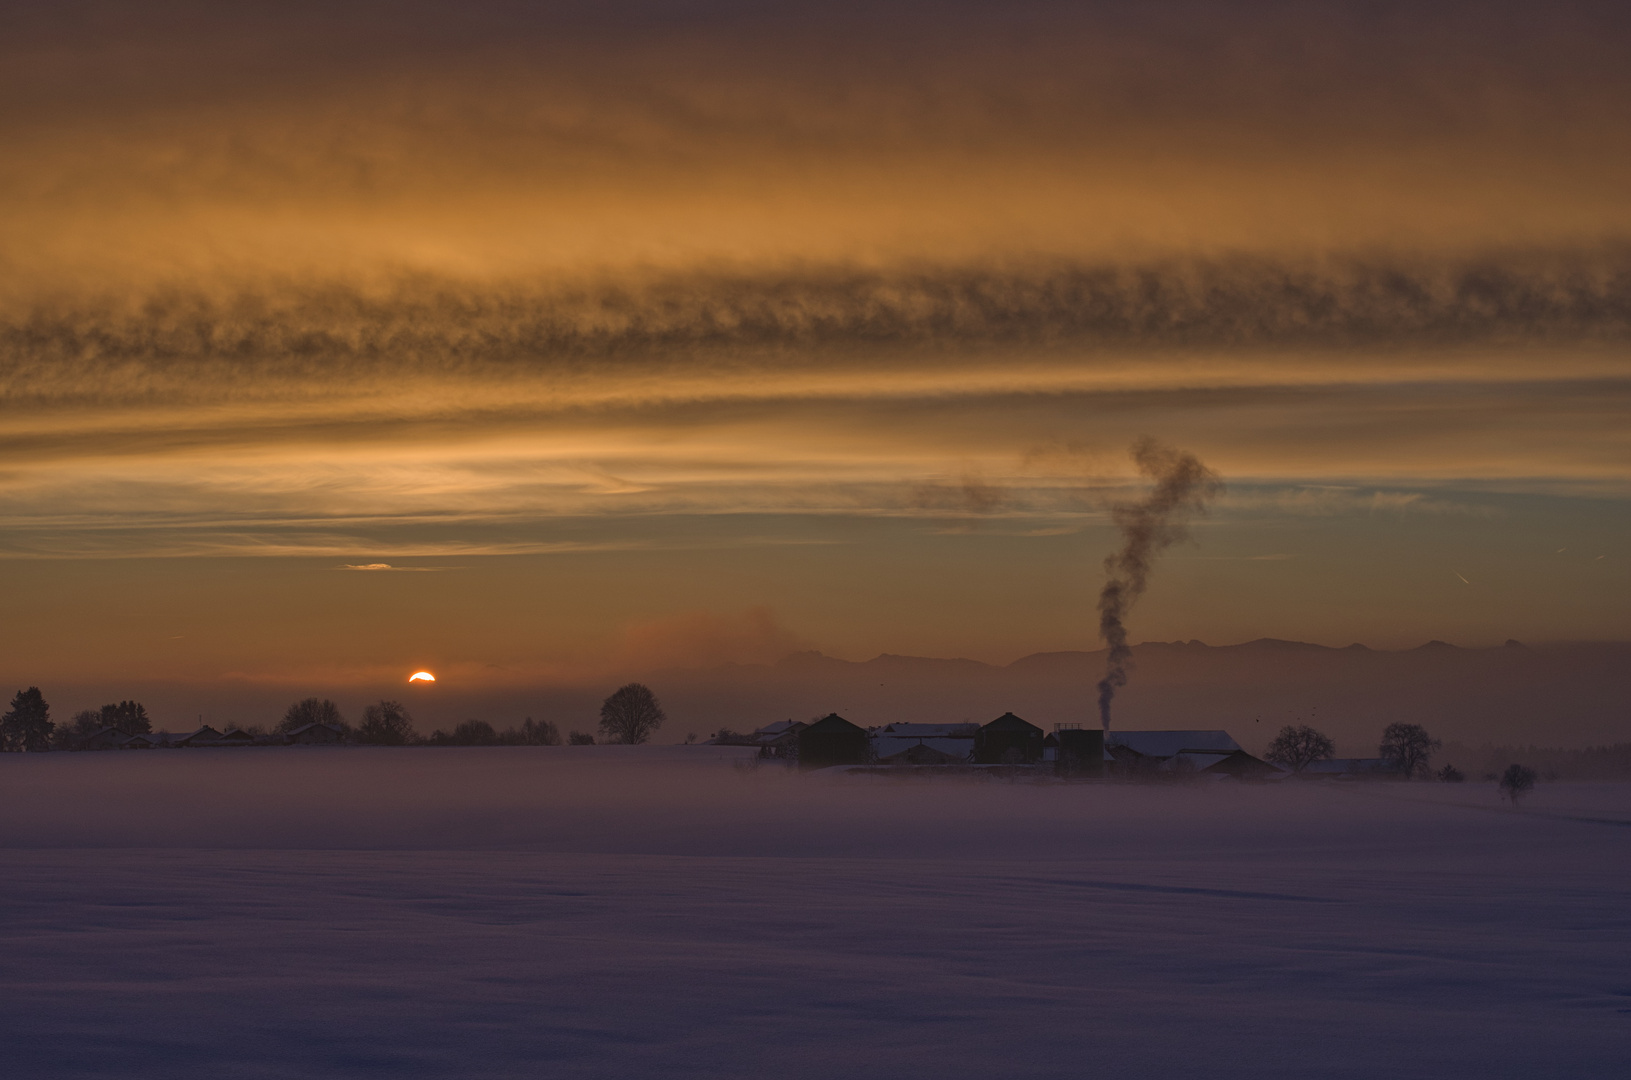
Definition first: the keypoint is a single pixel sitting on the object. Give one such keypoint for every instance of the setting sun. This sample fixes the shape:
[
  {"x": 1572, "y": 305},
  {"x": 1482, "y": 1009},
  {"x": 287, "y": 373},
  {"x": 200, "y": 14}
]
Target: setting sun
[{"x": 421, "y": 676}]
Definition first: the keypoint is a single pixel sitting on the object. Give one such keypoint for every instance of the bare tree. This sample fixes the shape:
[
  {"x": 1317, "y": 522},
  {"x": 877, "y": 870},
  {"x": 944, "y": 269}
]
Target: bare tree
[
  {"x": 1299, "y": 746},
  {"x": 386, "y": 724},
  {"x": 1517, "y": 781},
  {"x": 312, "y": 711},
  {"x": 631, "y": 714},
  {"x": 28, "y": 726},
  {"x": 1408, "y": 748}
]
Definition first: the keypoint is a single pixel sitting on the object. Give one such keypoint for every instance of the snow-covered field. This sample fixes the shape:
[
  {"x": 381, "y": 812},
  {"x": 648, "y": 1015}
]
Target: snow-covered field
[{"x": 634, "y": 912}]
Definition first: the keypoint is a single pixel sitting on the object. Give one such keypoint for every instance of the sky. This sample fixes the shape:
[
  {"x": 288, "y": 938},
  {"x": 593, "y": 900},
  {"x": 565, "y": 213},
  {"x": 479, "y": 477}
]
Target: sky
[{"x": 533, "y": 343}]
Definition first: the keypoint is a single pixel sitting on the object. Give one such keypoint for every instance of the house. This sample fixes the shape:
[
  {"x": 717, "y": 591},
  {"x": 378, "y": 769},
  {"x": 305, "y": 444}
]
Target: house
[
  {"x": 204, "y": 736},
  {"x": 316, "y": 734},
  {"x": 105, "y": 739},
  {"x": 1352, "y": 769},
  {"x": 139, "y": 742},
  {"x": 1197, "y": 752},
  {"x": 237, "y": 737},
  {"x": 1008, "y": 740},
  {"x": 832, "y": 740}
]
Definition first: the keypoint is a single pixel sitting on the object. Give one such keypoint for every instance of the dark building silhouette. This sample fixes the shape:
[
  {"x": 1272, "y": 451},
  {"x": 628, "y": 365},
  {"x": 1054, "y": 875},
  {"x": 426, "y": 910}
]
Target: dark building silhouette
[
  {"x": 832, "y": 740},
  {"x": 1008, "y": 740},
  {"x": 1079, "y": 751},
  {"x": 315, "y": 734}
]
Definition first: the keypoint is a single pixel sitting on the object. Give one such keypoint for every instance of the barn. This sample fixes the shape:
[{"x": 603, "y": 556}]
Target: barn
[
  {"x": 1008, "y": 740},
  {"x": 832, "y": 740}
]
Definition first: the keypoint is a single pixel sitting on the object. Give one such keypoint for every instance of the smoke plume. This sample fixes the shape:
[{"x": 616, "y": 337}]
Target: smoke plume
[{"x": 1182, "y": 487}]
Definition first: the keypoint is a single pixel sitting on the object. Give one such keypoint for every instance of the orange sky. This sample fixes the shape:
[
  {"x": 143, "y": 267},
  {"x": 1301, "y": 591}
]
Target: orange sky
[{"x": 690, "y": 334}]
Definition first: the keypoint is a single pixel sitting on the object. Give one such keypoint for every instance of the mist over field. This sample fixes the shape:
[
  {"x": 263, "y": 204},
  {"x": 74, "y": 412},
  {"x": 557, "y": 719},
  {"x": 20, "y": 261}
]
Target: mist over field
[{"x": 628, "y": 911}]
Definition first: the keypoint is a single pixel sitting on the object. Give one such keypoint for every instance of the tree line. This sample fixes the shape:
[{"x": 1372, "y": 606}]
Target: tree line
[
  {"x": 630, "y": 715},
  {"x": 1407, "y": 748}
]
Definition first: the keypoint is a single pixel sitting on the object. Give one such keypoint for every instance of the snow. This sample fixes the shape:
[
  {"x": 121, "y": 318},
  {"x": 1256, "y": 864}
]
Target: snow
[{"x": 678, "y": 912}]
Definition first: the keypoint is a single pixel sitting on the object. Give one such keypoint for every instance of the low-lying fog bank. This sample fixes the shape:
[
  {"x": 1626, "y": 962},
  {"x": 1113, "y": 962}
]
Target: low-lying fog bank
[
  {"x": 704, "y": 800},
  {"x": 671, "y": 911}
]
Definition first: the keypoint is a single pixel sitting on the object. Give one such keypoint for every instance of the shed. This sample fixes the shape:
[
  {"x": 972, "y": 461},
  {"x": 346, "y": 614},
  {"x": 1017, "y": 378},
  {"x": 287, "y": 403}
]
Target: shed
[
  {"x": 893, "y": 750},
  {"x": 1353, "y": 769},
  {"x": 204, "y": 736},
  {"x": 832, "y": 740},
  {"x": 1008, "y": 740},
  {"x": 106, "y": 739},
  {"x": 316, "y": 734}
]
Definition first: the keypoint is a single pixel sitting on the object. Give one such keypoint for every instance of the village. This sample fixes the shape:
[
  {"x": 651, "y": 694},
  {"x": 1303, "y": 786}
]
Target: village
[
  {"x": 1007, "y": 746},
  {"x": 1010, "y": 745}
]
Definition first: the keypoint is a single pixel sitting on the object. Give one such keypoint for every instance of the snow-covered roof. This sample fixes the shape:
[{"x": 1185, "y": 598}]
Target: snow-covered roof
[
  {"x": 886, "y": 746},
  {"x": 780, "y": 727},
  {"x": 303, "y": 728},
  {"x": 1164, "y": 744},
  {"x": 932, "y": 731}
]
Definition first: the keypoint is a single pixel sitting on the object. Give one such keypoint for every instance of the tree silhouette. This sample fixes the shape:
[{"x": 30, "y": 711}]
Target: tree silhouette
[
  {"x": 1408, "y": 747},
  {"x": 72, "y": 735},
  {"x": 1299, "y": 746},
  {"x": 28, "y": 726},
  {"x": 386, "y": 724},
  {"x": 312, "y": 711},
  {"x": 539, "y": 733},
  {"x": 631, "y": 714},
  {"x": 1517, "y": 781},
  {"x": 127, "y": 717}
]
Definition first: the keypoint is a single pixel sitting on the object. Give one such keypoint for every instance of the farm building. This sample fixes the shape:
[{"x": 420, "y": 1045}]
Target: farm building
[
  {"x": 105, "y": 739},
  {"x": 1353, "y": 769},
  {"x": 1077, "y": 751},
  {"x": 1008, "y": 740},
  {"x": 204, "y": 736},
  {"x": 316, "y": 734},
  {"x": 1202, "y": 752},
  {"x": 924, "y": 744},
  {"x": 832, "y": 740}
]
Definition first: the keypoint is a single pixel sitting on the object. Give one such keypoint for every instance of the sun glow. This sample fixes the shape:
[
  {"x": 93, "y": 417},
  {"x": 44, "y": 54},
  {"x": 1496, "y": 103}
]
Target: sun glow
[{"x": 421, "y": 676}]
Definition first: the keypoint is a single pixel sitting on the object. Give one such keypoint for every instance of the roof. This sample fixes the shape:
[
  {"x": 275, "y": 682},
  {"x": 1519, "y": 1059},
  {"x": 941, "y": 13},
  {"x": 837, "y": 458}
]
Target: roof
[
  {"x": 780, "y": 727},
  {"x": 303, "y": 728},
  {"x": 932, "y": 731},
  {"x": 106, "y": 732},
  {"x": 1009, "y": 722},
  {"x": 1165, "y": 744},
  {"x": 832, "y": 724},
  {"x": 887, "y": 746}
]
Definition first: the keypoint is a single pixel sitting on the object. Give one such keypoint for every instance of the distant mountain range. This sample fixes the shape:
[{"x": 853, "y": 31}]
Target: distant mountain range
[{"x": 1557, "y": 695}]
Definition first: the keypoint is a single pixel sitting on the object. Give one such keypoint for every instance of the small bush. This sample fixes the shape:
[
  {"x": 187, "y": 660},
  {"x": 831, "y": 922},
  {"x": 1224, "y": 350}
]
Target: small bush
[
  {"x": 580, "y": 738},
  {"x": 1451, "y": 775}
]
